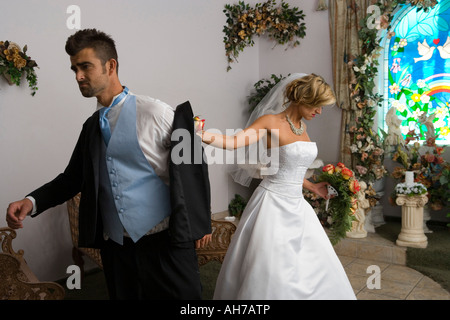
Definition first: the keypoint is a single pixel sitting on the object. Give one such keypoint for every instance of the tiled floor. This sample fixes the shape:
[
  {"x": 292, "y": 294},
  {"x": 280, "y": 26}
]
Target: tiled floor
[{"x": 396, "y": 281}]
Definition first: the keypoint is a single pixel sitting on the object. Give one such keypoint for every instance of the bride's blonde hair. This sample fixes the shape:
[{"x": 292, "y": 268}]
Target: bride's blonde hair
[{"x": 310, "y": 90}]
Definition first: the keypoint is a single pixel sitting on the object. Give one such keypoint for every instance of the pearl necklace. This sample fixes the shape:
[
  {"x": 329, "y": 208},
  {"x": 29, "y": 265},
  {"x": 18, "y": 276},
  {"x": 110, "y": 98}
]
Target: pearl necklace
[{"x": 297, "y": 131}]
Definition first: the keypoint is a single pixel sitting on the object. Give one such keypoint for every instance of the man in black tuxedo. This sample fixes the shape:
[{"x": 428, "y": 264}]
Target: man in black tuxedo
[{"x": 136, "y": 204}]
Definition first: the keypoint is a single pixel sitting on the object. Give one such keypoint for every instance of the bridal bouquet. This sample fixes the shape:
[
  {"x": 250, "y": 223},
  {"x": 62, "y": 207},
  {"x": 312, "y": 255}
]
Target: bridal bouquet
[{"x": 340, "y": 214}]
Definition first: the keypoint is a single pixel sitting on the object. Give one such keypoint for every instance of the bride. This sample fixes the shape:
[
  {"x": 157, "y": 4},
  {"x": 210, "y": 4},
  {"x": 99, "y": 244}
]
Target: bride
[{"x": 279, "y": 249}]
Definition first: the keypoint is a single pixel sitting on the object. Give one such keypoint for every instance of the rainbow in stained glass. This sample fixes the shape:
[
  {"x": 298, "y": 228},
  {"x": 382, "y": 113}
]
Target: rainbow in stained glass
[{"x": 417, "y": 74}]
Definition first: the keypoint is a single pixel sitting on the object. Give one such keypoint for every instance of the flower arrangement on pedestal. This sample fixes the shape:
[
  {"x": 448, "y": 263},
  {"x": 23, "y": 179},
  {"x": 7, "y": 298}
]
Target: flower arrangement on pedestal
[
  {"x": 429, "y": 167},
  {"x": 410, "y": 190},
  {"x": 340, "y": 214},
  {"x": 14, "y": 63},
  {"x": 281, "y": 23}
]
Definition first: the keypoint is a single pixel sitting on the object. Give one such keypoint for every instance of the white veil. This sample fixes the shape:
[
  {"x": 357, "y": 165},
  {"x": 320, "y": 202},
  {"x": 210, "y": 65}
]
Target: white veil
[{"x": 243, "y": 171}]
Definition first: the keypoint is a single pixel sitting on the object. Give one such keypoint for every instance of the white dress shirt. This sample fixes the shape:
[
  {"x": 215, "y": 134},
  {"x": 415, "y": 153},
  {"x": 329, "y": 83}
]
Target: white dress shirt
[{"x": 154, "y": 120}]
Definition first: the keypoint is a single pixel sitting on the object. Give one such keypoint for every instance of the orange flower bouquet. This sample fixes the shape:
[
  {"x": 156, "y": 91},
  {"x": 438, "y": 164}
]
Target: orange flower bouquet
[{"x": 341, "y": 209}]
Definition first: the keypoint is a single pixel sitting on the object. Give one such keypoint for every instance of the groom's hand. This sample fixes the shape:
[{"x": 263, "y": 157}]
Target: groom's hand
[
  {"x": 17, "y": 211},
  {"x": 203, "y": 242}
]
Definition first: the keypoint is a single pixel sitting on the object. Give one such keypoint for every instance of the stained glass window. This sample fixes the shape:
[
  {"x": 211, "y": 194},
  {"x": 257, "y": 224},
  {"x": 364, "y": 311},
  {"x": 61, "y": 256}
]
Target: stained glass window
[{"x": 417, "y": 71}]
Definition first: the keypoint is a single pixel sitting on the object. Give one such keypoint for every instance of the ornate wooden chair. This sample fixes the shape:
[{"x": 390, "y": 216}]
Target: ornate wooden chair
[
  {"x": 222, "y": 231},
  {"x": 17, "y": 281}
]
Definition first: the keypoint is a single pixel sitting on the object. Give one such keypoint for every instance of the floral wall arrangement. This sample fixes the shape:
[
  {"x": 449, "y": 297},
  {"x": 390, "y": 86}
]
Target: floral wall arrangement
[
  {"x": 367, "y": 145},
  {"x": 15, "y": 63},
  {"x": 280, "y": 23}
]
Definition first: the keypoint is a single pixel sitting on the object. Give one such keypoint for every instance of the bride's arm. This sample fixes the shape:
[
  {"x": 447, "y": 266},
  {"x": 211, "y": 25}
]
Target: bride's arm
[
  {"x": 318, "y": 188},
  {"x": 243, "y": 138}
]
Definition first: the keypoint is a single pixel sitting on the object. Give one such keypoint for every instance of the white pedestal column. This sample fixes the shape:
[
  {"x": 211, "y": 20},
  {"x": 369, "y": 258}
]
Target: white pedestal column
[{"x": 411, "y": 234}]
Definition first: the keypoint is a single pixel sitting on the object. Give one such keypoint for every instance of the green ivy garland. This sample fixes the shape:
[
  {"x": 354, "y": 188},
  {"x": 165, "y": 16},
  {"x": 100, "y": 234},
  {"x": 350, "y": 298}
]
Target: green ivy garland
[
  {"x": 262, "y": 87},
  {"x": 281, "y": 23}
]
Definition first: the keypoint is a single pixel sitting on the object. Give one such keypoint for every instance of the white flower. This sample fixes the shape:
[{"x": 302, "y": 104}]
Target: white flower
[
  {"x": 398, "y": 105},
  {"x": 401, "y": 107},
  {"x": 362, "y": 69},
  {"x": 415, "y": 188},
  {"x": 417, "y": 113},
  {"x": 404, "y": 130},
  {"x": 353, "y": 148},
  {"x": 330, "y": 220},
  {"x": 441, "y": 112},
  {"x": 369, "y": 147},
  {"x": 440, "y": 123},
  {"x": 421, "y": 83},
  {"x": 394, "y": 89},
  {"x": 425, "y": 98},
  {"x": 402, "y": 43}
]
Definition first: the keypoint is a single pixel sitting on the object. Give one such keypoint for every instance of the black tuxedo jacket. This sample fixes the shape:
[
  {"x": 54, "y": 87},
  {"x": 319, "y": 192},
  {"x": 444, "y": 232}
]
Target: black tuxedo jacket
[
  {"x": 191, "y": 217},
  {"x": 189, "y": 183}
]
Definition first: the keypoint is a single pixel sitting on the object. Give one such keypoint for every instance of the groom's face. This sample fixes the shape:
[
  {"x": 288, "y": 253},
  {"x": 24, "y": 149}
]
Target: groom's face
[{"x": 90, "y": 72}]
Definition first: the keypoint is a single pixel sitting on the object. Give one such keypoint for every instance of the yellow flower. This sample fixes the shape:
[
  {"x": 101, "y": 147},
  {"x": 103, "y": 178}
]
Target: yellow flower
[
  {"x": 415, "y": 97},
  {"x": 242, "y": 34},
  {"x": 445, "y": 131},
  {"x": 19, "y": 62}
]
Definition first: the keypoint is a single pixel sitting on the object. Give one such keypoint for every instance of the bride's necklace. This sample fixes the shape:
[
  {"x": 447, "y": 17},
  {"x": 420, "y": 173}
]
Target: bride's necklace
[{"x": 297, "y": 131}]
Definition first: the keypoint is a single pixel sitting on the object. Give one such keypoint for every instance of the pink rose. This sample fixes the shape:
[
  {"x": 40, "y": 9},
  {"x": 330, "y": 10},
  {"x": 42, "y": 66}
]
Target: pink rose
[{"x": 361, "y": 170}]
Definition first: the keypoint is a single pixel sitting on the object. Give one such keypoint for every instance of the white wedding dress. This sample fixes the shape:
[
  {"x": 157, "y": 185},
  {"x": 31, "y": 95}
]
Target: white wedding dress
[{"x": 280, "y": 250}]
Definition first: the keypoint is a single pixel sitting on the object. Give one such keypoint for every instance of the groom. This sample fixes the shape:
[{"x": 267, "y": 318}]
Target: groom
[{"x": 121, "y": 166}]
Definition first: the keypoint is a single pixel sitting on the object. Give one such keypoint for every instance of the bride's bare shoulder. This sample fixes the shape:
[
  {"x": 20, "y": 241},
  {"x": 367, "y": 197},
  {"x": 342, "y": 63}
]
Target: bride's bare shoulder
[
  {"x": 270, "y": 118},
  {"x": 267, "y": 121}
]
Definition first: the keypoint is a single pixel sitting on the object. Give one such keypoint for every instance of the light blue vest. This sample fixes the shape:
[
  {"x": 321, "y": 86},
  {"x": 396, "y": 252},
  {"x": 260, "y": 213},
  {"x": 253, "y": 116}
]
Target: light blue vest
[{"x": 131, "y": 195}]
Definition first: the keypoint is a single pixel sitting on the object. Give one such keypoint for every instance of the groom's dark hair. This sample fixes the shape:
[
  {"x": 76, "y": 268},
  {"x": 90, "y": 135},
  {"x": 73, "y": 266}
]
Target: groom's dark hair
[{"x": 103, "y": 45}]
